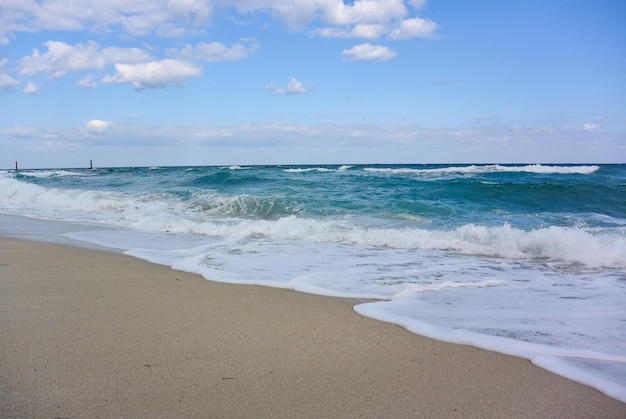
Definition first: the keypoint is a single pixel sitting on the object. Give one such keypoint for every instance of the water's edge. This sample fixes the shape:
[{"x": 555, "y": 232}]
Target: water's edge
[{"x": 59, "y": 232}]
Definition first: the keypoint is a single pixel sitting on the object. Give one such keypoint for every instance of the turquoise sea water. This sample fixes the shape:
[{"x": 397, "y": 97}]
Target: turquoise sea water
[{"x": 522, "y": 259}]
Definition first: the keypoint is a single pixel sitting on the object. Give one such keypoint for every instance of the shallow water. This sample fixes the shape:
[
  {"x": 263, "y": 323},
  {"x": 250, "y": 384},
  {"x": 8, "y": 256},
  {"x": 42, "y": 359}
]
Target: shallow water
[{"x": 527, "y": 260}]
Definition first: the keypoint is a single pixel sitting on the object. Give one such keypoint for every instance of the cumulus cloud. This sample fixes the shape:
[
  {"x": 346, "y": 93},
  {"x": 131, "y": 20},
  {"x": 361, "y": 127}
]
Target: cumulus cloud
[
  {"x": 7, "y": 83},
  {"x": 365, "y": 11},
  {"x": 411, "y": 28},
  {"x": 362, "y": 30},
  {"x": 294, "y": 87},
  {"x": 405, "y": 29},
  {"x": 141, "y": 17},
  {"x": 337, "y": 16},
  {"x": 31, "y": 88},
  {"x": 137, "y": 17},
  {"x": 368, "y": 52},
  {"x": 417, "y": 4},
  {"x": 97, "y": 126},
  {"x": 62, "y": 58},
  {"x": 87, "y": 82},
  {"x": 591, "y": 127},
  {"x": 154, "y": 74},
  {"x": 357, "y": 19},
  {"x": 169, "y": 18},
  {"x": 368, "y": 30},
  {"x": 216, "y": 51},
  {"x": 132, "y": 65},
  {"x": 293, "y": 13}
]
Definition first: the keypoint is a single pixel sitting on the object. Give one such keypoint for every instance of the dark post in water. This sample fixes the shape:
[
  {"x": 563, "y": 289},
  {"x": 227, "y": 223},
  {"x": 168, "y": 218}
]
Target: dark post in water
[
  {"x": 16, "y": 166},
  {"x": 90, "y": 164}
]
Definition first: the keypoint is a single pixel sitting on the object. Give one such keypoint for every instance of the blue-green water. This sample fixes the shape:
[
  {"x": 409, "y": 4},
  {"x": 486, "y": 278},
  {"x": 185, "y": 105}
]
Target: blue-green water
[{"x": 528, "y": 260}]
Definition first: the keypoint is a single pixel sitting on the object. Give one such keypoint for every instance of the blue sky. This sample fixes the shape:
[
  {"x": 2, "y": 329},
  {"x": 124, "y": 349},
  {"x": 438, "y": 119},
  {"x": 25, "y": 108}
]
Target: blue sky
[{"x": 203, "y": 82}]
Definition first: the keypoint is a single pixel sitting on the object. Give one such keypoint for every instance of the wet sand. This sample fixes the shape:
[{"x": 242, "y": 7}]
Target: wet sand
[{"x": 88, "y": 333}]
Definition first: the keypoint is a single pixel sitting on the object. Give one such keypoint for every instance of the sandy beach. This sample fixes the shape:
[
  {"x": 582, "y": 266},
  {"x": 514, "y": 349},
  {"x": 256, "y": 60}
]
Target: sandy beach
[{"x": 87, "y": 333}]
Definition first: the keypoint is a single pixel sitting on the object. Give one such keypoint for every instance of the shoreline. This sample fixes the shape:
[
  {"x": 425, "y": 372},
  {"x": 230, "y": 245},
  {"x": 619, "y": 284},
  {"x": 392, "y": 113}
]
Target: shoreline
[{"x": 91, "y": 333}]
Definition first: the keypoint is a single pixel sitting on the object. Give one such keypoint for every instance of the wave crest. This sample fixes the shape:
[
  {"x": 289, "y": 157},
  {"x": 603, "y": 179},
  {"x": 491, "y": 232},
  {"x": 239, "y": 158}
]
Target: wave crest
[{"x": 496, "y": 168}]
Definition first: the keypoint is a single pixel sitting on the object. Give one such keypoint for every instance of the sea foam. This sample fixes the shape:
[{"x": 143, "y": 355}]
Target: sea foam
[
  {"x": 522, "y": 259},
  {"x": 588, "y": 247}
]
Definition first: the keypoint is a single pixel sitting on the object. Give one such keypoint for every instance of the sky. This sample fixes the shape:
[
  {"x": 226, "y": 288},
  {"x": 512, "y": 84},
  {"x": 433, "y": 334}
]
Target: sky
[{"x": 224, "y": 82}]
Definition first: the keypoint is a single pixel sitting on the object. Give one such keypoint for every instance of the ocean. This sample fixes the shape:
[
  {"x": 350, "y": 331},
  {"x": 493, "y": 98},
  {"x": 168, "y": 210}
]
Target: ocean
[{"x": 527, "y": 260}]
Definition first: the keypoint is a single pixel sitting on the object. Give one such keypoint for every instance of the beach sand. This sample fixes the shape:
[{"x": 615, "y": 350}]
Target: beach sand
[{"x": 86, "y": 334}]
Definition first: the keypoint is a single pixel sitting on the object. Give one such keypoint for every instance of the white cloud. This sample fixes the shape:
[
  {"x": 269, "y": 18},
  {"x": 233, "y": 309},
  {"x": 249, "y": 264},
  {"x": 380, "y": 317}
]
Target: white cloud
[
  {"x": 362, "y": 30},
  {"x": 216, "y": 51},
  {"x": 140, "y": 17},
  {"x": 21, "y": 132},
  {"x": 405, "y": 29},
  {"x": 417, "y": 4},
  {"x": 31, "y": 88},
  {"x": 364, "y": 11},
  {"x": 591, "y": 127},
  {"x": 154, "y": 74},
  {"x": 193, "y": 11},
  {"x": 97, "y": 126},
  {"x": 332, "y": 32},
  {"x": 294, "y": 87},
  {"x": 368, "y": 52},
  {"x": 358, "y": 19},
  {"x": 137, "y": 17},
  {"x": 368, "y": 19},
  {"x": 411, "y": 28},
  {"x": 62, "y": 58},
  {"x": 131, "y": 64},
  {"x": 318, "y": 143},
  {"x": 178, "y": 18},
  {"x": 294, "y": 13},
  {"x": 87, "y": 82},
  {"x": 368, "y": 31},
  {"x": 7, "y": 83}
]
